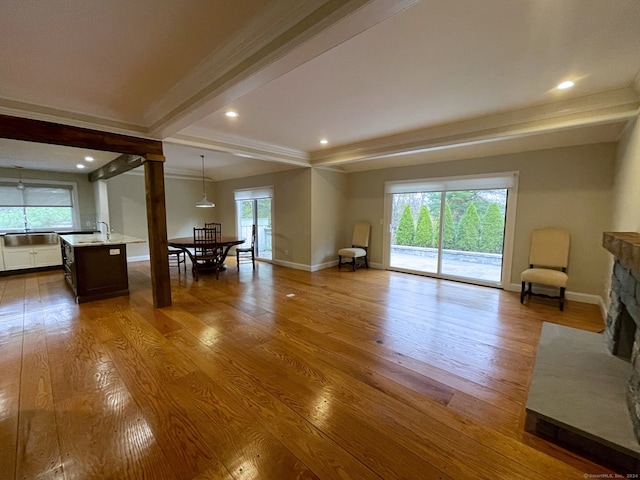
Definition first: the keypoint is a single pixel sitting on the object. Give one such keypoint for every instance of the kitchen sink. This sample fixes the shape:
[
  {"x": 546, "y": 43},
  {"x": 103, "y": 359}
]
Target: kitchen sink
[{"x": 28, "y": 239}]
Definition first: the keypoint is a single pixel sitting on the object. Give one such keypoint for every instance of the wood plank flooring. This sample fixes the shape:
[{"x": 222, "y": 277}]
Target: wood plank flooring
[{"x": 275, "y": 374}]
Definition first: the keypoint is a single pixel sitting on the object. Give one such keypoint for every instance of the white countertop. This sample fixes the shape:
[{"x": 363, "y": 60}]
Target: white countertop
[{"x": 97, "y": 239}]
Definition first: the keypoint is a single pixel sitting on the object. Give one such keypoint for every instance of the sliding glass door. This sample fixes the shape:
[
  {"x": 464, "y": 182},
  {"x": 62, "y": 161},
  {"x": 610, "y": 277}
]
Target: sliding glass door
[
  {"x": 254, "y": 207},
  {"x": 438, "y": 229},
  {"x": 415, "y": 235}
]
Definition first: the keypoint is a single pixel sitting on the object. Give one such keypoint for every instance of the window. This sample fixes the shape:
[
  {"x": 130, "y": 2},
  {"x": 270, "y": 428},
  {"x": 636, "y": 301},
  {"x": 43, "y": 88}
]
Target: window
[{"x": 37, "y": 207}]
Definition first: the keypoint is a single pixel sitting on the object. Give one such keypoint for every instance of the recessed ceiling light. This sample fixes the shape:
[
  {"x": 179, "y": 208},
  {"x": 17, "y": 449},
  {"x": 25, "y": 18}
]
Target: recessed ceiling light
[
  {"x": 565, "y": 85},
  {"x": 231, "y": 114},
  {"x": 80, "y": 165},
  {"x": 324, "y": 141},
  {"x": 88, "y": 159}
]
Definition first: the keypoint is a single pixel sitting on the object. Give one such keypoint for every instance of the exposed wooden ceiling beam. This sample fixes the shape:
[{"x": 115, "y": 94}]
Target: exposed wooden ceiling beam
[
  {"x": 122, "y": 164},
  {"x": 29, "y": 130}
]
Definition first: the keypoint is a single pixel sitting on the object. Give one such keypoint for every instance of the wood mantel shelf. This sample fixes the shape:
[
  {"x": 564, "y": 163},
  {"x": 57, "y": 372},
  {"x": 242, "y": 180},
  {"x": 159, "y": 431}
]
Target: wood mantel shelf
[{"x": 625, "y": 246}]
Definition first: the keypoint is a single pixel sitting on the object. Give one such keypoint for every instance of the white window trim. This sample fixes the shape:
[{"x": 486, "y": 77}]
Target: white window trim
[{"x": 253, "y": 193}]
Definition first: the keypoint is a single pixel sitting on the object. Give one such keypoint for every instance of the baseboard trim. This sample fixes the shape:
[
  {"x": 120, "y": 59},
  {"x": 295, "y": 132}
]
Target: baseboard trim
[
  {"x": 575, "y": 296},
  {"x": 139, "y": 258},
  {"x": 297, "y": 266}
]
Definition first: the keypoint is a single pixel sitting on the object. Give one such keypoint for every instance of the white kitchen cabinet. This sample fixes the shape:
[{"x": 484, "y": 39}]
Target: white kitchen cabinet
[{"x": 16, "y": 258}]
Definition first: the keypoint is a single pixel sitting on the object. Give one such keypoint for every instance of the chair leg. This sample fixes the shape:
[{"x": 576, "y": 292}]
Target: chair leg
[
  {"x": 253, "y": 260},
  {"x": 366, "y": 262},
  {"x": 238, "y": 260},
  {"x": 522, "y": 293},
  {"x": 562, "y": 299},
  {"x": 353, "y": 263},
  {"x": 339, "y": 261}
]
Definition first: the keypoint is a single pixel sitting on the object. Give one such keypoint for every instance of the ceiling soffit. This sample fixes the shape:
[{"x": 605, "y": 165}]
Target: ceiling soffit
[
  {"x": 243, "y": 148},
  {"x": 577, "y": 113},
  {"x": 614, "y": 107}
]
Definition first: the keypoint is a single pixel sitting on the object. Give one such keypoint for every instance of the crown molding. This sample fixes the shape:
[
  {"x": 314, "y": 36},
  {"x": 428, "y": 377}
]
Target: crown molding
[
  {"x": 244, "y": 148},
  {"x": 175, "y": 173},
  {"x": 597, "y": 109},
  {"x": 75, "y": 119}
]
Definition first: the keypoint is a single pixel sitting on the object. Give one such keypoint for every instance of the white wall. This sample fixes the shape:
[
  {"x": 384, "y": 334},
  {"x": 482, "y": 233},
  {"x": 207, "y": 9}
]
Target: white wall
[
  {"x": 328, "y": 212},
  {"x": 128, "y": 210}
]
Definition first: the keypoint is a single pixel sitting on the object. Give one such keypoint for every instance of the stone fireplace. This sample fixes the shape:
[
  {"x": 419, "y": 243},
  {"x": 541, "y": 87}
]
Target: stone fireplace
[
  {"x": 585, "y": 386},
  {"x": 622, "y": 333}
]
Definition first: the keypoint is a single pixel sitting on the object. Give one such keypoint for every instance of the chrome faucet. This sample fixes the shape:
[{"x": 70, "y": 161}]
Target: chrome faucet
[{"x": 108, "y": 229}]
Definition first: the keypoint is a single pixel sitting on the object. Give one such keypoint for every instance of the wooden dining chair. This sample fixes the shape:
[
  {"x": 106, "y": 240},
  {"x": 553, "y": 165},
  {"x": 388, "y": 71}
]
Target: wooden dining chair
[
  {"x": 247, "y": 254},
  {"x": 176, "y": 257},
  {"x": 206, "y": 254},
  {"x": 217, "y": 226}
]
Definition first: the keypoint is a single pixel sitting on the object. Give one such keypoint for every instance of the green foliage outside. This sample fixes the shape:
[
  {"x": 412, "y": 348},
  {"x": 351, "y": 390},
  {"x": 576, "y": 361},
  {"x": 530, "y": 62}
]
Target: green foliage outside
[
  {"x": 406, "y": 230},
  {"x": 492, "y": 230},
  {"x": 449, "y": 233},
  {"x": 264, "y": 210},
  {"x": 13, "y": 218},
  {"x": 424, "y": 229},
  {"x": 473, "y": 220},
  {"x": 468, "y": 238}
]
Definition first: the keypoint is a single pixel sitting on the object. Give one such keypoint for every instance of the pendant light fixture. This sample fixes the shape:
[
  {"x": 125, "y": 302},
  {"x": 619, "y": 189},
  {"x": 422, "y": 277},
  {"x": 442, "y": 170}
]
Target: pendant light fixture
[
  {"x": 204, "y": 203},
  {"x": 20, "y": 185}
]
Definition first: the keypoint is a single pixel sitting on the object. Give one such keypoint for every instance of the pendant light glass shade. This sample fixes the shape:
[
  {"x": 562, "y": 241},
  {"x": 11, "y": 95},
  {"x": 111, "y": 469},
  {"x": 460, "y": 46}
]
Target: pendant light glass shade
[{"x": 204, "y": 203}]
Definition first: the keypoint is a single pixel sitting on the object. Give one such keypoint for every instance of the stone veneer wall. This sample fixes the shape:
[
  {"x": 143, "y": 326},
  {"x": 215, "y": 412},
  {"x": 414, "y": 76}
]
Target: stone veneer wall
[{"x": 624, "y": 308}]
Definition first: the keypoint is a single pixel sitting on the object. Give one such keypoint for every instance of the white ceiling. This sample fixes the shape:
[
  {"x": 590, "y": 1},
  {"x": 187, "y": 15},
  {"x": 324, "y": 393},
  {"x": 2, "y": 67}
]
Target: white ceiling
[{"x": 387, "y": 82}]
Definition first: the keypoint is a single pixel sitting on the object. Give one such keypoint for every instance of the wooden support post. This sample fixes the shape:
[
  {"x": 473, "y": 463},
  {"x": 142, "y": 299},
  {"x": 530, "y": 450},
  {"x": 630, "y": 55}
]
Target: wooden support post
[{"x": 157, "y": 228}]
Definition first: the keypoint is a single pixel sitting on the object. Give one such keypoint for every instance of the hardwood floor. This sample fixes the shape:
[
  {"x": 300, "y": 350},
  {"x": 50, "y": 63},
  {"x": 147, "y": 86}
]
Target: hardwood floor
[{"x": 275, "y": 374}]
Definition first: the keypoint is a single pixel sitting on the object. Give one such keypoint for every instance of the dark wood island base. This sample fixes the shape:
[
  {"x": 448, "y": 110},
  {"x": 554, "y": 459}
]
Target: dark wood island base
[{"x": 95, "y": 270}]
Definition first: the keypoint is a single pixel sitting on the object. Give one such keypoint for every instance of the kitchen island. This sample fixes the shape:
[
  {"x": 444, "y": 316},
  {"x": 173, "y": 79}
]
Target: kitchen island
[{"x": 95, "y": 265}]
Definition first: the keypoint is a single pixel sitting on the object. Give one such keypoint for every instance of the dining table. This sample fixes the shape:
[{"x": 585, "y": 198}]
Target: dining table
[{"x": 224, "y": 243}]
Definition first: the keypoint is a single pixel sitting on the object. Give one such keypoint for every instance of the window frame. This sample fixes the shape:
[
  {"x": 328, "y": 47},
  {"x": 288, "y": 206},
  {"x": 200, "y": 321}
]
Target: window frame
[
  {"x": 497, "y": 180},
  {"x": 73, "y": 188}
]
